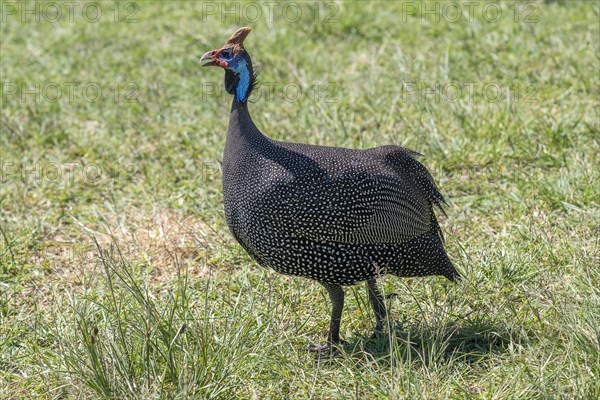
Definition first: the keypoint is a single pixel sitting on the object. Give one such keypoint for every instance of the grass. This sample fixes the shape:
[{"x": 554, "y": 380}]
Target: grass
[{"x": 119, "y": 278}]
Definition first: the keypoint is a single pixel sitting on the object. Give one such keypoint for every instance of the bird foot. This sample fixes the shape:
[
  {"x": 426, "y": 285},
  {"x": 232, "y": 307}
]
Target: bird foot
[
  {"x": 325, "y": 349},
  {"x": 377, "y": 334},
  {"x": 320, "y": 348}
]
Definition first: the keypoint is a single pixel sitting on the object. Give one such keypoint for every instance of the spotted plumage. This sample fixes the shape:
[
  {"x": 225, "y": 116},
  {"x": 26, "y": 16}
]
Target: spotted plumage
[{"x": 338, "y": 216}]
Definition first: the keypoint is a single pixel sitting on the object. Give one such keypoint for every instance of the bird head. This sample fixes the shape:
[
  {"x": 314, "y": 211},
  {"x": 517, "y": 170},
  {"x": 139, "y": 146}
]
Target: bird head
[{"x": 233, "y": 58}]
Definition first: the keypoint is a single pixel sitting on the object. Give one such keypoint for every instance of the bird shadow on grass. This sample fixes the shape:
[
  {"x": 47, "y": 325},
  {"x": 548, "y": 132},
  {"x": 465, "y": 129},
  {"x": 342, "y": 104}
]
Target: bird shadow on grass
[{"x": 467, "y": 341}]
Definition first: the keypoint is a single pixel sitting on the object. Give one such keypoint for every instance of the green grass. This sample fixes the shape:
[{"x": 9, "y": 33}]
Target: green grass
[{"x": 119, "y": 278}]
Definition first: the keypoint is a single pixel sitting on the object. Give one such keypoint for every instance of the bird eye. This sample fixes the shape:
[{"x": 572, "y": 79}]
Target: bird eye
[{"x": 226, "y": 53}]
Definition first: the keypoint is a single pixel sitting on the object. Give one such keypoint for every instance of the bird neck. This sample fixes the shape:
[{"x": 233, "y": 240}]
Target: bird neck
[
  {"x": 240, "y": 79},
  {"x": 242, "y": 91},
  {"x": 243, "y": 138},
  {"x": 241, "y": 126}
]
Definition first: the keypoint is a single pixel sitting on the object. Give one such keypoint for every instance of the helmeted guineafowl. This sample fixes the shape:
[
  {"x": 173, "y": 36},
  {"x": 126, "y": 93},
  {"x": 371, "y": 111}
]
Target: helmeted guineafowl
[{"x": 335, "y": 215}]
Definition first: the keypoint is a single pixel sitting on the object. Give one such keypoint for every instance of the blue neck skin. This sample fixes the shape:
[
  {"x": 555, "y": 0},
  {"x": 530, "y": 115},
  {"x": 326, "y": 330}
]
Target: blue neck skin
[{"x": 241, "y": 92}]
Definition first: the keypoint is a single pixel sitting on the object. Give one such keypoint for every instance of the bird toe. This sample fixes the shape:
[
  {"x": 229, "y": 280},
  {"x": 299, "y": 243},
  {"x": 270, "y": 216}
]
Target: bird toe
[{"x": 331, "y": 349}]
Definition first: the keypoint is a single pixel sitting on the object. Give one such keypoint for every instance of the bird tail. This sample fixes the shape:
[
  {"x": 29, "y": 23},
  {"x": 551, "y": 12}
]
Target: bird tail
[
  {"x": 446, "y": 265},
  {"x": 449, "y": 271}
]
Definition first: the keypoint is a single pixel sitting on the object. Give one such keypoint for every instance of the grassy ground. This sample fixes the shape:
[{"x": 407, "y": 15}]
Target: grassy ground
[{"x": 119, "y": 279}]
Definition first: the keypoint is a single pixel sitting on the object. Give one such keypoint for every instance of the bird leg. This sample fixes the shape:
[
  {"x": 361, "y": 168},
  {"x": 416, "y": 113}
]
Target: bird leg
[
  {"x": 336, "y": 295},
  {"x": 378, "y": 305}
]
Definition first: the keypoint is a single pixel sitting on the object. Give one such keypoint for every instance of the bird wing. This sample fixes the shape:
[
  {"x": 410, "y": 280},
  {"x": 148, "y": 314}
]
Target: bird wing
[
  {"x": 405, "y": 164},
  {"x": 356, "y": 207}
]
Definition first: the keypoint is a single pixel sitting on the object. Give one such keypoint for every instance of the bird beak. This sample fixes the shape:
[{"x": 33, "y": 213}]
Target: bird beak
[{"x": 207, "y": 59}]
